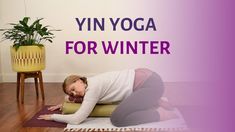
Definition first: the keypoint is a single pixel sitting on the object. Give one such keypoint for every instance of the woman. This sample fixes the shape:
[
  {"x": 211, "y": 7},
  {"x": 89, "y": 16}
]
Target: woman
[{"x": 139, "y": 92}]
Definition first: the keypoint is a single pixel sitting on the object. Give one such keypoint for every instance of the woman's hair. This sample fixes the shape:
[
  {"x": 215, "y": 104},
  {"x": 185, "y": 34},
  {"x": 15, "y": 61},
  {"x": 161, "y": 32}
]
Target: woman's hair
[{"x": 72, "y": 79}]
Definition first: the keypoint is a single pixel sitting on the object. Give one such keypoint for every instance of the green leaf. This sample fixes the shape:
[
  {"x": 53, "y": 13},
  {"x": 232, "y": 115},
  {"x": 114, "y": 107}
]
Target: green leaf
[
  {"x": 35, "y": 22},
  {"x": 40, "y": 45},
  {"x": 12, "y": 23},
  {"x": 38, "y": 26},
  {"x": 49, "y": 40},
  {"x": 26, "y": 19},
  {"x": 16, "y": 46},
  {"x": 24, "y": 24},
  {"x": 23, "y": 34}
]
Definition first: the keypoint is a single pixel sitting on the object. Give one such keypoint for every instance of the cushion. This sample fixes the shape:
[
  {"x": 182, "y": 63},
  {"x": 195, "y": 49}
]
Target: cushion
[{"x": 100, "y": 110}]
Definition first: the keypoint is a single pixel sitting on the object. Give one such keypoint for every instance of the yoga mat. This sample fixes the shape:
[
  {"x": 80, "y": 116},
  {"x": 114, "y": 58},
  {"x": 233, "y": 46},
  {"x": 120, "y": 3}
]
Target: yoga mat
[
  {"x": 34, "y": 122},
  {"x": 104, "y": 124}
]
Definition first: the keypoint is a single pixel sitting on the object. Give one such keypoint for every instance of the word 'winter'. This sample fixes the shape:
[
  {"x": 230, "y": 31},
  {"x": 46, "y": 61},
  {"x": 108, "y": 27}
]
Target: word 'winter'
[
  {"x": 126, "y": 24},
  {"x": 119, "y": 47}
]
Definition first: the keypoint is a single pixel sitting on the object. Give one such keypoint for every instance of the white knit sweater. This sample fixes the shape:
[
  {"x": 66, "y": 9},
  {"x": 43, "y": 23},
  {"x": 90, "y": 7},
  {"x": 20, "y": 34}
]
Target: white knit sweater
[{"x": 103, "y": 88}]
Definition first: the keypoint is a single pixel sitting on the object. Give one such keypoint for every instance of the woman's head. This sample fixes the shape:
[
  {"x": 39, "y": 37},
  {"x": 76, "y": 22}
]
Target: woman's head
[{"x": 75, "y": 85}]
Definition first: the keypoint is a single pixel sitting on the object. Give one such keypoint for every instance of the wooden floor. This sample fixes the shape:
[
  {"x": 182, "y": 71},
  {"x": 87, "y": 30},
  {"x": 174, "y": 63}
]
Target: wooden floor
[{"x": 13, "y": 114}]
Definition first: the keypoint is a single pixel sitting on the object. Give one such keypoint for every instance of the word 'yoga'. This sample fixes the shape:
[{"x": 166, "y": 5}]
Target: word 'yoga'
[{"x": 125, "y": 24}]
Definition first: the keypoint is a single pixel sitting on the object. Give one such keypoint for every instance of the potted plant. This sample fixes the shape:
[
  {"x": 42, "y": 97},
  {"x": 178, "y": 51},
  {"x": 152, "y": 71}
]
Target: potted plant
[{"x": 28, "y": 51}]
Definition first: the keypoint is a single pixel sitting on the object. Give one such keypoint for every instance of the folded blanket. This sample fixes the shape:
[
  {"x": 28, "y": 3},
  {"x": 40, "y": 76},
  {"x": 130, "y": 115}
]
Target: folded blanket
[
  {"x": 103, "y": 124},
  {"x": 100, "y": 110}
]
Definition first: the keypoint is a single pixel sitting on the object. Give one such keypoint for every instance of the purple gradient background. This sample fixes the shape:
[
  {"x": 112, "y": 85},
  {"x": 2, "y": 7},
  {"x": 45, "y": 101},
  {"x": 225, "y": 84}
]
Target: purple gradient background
[
  {"x": 201, "y": 32},
  {"x": 210, "y": 26}
]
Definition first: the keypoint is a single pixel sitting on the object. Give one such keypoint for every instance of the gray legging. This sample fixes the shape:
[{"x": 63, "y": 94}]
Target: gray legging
[{"x": 140, "y": 107}]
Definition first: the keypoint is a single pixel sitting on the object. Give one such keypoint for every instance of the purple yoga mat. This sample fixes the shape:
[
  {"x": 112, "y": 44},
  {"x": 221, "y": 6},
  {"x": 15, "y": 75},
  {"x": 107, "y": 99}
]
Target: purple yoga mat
[
  {"x": 186, "y": 111},
  {"x": 34, "y": 122}
]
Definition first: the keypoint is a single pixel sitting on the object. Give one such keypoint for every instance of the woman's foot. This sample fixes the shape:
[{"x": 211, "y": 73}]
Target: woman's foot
[
  {"x": 165, "y": 104},
  {"x": 166, "y": 114}
]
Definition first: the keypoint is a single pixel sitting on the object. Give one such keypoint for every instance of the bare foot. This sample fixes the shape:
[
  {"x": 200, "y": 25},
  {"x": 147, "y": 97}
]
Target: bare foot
[
  {"x": 165, "y": 104},
  {"x": 166, "y": 114}
]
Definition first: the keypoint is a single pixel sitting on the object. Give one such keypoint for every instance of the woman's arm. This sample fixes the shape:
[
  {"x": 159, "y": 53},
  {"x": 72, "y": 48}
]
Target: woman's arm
[{"x": 76, "y": 118}]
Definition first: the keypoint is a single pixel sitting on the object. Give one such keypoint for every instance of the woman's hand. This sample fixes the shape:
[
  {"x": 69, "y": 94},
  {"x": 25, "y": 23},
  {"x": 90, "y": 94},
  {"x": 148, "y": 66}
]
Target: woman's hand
[
  {"x": 45, "y": 117},
  {"x": 56, "y": 107}
]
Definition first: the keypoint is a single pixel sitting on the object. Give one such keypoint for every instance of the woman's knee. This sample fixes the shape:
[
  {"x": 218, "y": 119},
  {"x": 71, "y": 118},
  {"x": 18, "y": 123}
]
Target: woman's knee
[{"x": 116, "y": 120}]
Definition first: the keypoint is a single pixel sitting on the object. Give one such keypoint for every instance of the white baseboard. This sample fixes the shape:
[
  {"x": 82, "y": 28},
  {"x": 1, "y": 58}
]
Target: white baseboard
[{"x": 59, "y": 77}]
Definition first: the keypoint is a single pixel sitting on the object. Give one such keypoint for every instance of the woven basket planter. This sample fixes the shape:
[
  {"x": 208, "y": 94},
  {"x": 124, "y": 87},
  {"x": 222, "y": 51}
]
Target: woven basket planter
[{"x": 28, "y": 58}]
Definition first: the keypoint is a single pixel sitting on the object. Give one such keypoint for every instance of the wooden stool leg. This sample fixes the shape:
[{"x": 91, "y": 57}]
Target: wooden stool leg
[
  {"x": 41, "y": 84},
  {"x": 22, "y": 77},
  {"x": 36, "y": 85},
  {"x": 18, "y": 86}
]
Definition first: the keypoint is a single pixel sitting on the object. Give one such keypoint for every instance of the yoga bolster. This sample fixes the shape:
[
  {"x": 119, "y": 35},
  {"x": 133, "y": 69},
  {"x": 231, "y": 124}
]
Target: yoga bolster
[{"x": 100, "y": 110}]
